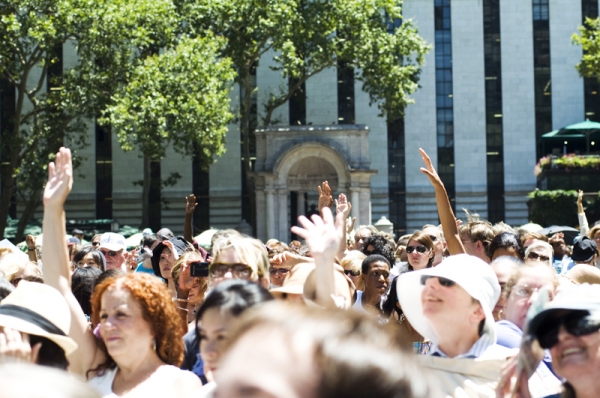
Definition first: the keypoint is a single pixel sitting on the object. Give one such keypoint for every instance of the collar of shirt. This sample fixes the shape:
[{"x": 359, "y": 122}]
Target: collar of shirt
[{"x": 482, "y": 344}]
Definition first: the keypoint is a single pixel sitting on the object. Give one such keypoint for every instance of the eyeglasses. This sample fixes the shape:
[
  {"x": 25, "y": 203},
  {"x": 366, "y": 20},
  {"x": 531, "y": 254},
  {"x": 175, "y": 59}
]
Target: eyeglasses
[
  {"x": 577, "y": 323},
  {"x": 280, "y": 271},
  {"x": 433, "y": 237},
  {"x": 110, "y": 253},
  {"x": 524, "y": 290},
  {"x": 350, "y": 272},
  {"x": 239, "y": 271},
  {"x": 419, "y": 249},
  {"x": 95, "y": 244},
  {"x": 537, "y": 257},
  {"x": 443, "y": 281}
]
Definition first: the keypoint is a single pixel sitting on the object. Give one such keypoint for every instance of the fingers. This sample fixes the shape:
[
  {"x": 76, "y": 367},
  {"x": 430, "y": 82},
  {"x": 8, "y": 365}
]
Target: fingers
[
  {"x": 320, "y": 191},
  {"x": 425, "y": 157}
]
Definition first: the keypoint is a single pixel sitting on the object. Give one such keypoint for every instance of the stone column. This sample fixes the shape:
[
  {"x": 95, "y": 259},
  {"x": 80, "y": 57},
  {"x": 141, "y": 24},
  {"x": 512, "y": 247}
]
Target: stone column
[
  {"x": 300, "y": 204},
  {"x": 355, "y": 202},
  {"x": 270, "y": 213},
  {"x": 365, "y": 206},
  {"x": 283, "y": 228}
]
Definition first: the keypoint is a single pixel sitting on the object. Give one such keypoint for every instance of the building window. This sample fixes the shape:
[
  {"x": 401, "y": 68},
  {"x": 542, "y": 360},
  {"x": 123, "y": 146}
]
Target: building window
[
  {"x": 247, "y": 208},
  {"x": 7, "y": 114},
  {"x": 397, "y": 176},
  {"x": 297, "y": 103},
  {"x": 591, "y": 87},
  {"x": 444, "y": 101},
  {"x": 541, "y": 72},
  {"x": 154, "y": 200},
  {"x": 104, "y": 174},
  {"x": 345, "y": 81},
  {"x": 493, "y": 108}
]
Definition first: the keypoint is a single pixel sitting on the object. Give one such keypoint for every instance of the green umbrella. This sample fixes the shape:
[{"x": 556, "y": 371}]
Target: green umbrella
[{"x": 577, "y": 130}]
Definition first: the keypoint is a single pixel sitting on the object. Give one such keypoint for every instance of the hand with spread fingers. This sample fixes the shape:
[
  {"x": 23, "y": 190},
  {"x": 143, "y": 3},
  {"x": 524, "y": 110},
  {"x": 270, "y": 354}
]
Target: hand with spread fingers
[
  {"x": 510, "y": 385},
  {"x": 190, "y": 204},
  {"x": 15, "y": 347},
  {"x": 323, "y": 235},
  {"x": 60, "y": 179},
  {"x": 342, "y": 205}
]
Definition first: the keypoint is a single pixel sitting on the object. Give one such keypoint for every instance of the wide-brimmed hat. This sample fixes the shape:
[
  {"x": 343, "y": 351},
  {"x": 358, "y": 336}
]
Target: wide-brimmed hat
[
  {"x": 294, "y": 281},
  {"x": 39, "y": 310},
  {"x": 471, "y": 273},
  {"x": 179, "y": 244},
  {"x": 583, "y": 297}
]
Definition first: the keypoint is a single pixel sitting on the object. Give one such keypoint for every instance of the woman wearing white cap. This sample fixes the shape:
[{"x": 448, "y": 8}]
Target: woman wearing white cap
[{"x": 139, "y": 343}]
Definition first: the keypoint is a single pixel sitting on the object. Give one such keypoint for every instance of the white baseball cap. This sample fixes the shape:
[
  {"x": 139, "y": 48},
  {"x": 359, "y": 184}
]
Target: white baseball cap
[
  {"x": 469, "y": 272},
  {"x": 112, "y": 241}
]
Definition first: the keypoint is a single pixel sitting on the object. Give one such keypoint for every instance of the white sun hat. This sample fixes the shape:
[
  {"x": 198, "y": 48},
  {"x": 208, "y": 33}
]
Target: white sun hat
[
  {"x": 469, "y": 272},
  {"x": 40, "y": 310}
]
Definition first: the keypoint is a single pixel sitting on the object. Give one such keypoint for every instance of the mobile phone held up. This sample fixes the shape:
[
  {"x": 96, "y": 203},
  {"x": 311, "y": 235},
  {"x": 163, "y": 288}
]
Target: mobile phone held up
[{"x": 199, "y": 268}]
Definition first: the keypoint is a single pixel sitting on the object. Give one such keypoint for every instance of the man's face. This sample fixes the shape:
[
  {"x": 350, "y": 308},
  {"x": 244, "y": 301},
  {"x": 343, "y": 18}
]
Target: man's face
[
  {"x": 468, "y": 244},
  {"x": 360, "y": 237},
  {"x": 96, "y": 241},
  {"x": 114, "y": 259},
  {"x": 559, "y": 247},
  {"x": 378, "y": 278},
  {"x": 278, "y": 274}
]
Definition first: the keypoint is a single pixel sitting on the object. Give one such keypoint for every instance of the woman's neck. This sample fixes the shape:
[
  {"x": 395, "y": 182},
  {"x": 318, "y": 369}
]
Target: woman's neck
[{"x": 133, "y": 365}]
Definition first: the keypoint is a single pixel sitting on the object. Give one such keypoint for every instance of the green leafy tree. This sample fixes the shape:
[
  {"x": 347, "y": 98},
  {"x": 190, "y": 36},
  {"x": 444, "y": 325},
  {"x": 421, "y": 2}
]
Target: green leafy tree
[
  {"x": 589, "y": 40},
  {"x": 308, "y": 37},
  {"x": 115, "y": 41}
]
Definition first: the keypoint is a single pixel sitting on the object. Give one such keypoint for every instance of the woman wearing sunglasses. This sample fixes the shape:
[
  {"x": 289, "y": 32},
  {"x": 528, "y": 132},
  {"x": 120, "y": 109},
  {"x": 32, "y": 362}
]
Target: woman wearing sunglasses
[
  {"x": 352, "y": 264},
  {"x": 568, "y": 326},
  {"x": 420, "y": 251}
]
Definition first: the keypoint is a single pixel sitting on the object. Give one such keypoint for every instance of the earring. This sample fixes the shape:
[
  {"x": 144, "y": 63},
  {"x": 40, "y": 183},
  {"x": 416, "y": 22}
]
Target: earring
[{"x": 154, "y": 345}]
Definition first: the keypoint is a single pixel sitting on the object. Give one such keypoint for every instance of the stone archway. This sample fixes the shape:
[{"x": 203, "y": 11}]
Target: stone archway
[{"x": 299, "y": 162}]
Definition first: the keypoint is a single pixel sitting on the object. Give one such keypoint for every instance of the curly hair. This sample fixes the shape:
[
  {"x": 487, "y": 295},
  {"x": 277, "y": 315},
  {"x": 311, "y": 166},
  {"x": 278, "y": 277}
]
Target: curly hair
[
  {"x": 157, "y": 309},
  {"x": 381, "y": 245}
]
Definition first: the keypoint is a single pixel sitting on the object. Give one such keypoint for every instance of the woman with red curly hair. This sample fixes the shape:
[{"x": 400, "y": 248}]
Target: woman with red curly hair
[{"x": 139, "y": 344}]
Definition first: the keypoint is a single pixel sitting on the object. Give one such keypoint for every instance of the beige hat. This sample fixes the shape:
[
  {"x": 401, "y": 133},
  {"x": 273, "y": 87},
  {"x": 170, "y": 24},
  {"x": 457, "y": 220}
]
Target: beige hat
[
  {"x": 39, "y": 310},
  {"x": 583, "y": 273},
  {"x": 294, "y": 281}
]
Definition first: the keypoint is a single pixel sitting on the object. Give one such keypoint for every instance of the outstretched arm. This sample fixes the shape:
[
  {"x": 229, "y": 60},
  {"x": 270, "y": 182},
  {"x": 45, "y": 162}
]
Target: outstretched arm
[
  {"x": 343, "y": 206},
  {"x": 57, "y": 271},
  {"x": 447, "y": 217},
  {"x": 584, "y": 228},
  {"x": 190, "y": 206},
  {"x": 323, "y": 237}
]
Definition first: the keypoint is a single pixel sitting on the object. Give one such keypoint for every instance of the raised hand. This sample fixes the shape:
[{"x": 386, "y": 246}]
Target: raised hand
[
  {"x": 325, "y": 198},
  {"x": 190, "y": 204},
  {"x": 429, "y": 170},
  {"x": 15, "y": 347},
  {"x": 186, "y": 281},
  {"x": 323, "y": 235},
  {"x": 342, "y": 205},
  {"x": 60, "y": 179}
]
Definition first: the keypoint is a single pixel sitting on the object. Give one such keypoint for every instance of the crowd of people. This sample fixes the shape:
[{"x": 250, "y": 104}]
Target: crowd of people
[{"x": 460, "y": 309}]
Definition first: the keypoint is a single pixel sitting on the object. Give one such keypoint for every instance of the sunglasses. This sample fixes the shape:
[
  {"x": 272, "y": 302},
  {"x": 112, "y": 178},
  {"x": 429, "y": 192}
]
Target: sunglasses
[
  {"x": 350, "y": 272},
  {"x": 576, "y": 323},
  {"x": 443, "y": 281},
  {"x": 419, "y": 249},
  {"x": 109, "y": 253},
  {"x": 433, "y": 237},
  {"x": 280, "y": 271},
  {"x": 538, "y": 257}
]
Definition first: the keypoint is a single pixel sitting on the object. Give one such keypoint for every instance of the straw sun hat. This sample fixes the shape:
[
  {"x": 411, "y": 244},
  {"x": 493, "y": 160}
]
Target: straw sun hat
[{"x": 40, "y": 310}]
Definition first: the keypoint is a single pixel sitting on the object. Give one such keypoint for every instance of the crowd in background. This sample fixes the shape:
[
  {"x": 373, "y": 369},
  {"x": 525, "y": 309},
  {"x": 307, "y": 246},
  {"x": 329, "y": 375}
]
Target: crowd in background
[{"x": 462, "y": 309}]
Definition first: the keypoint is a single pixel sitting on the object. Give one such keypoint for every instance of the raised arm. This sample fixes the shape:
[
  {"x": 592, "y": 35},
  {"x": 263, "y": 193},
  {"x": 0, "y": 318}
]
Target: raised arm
[
  {"x": 323, "y": 237},
  {"x": 447, "y": 217},
  {"x": 343, "y": 206},
  {"x": 325, "y": 198},
  {"x": 57, "y": 271},
  {"x": 190, "y": 206},
  {"x": 584, "y": 228}
]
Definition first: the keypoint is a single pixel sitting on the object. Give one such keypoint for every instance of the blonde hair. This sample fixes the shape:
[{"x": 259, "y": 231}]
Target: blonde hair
[
  {"x": 14, "y": 263},
  {"x": 354, "y": 260},
  {"x": 250, "y": 251}
]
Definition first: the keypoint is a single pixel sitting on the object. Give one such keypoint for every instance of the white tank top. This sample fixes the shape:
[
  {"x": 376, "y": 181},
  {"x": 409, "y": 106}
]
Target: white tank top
[{"x": 103, "y": 384}]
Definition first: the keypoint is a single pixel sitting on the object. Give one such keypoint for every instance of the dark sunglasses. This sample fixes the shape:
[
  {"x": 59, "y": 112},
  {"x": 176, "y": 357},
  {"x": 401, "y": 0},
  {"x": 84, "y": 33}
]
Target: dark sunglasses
[
  {"x": 576, "y": 324},
  {"x": 433, "y": 237},
  {"x": 443, "y": 281},
  {"x": 109, "y": 253},
  {"x": 280, "y": 271},
  {"x": 419, "y": 249},
  {"x": 351, "y": 272},
  {"x": 535, "y": 256}
]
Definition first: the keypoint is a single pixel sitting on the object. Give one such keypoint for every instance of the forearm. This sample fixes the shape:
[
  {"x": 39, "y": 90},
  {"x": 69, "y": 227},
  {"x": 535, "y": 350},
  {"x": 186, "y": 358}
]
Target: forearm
[
  {"x": 187, "y": 228},
  {"x": 32, "y": 255},
  {"x": 448, "y": 220},
  {"x": 57, "y": 271}
]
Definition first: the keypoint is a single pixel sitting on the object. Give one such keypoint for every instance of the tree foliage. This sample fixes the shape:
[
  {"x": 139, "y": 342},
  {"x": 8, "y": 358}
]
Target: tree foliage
[{"x": 589, "y": 40}]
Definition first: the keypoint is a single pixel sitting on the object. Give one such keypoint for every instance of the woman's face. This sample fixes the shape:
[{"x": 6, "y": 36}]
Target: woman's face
[
  {"x": 417, "y": 259},
  {"x": 123, "y": 328},
  {"x": 520, "y": 297},
  {"x": 166, "y": 263},
  {"x": 229, "y": 260},
  {"x": 197, "y": 291},
  {"x": 349, "y": 272},
  {"x": 88, "y": 261},
  {"x": 577, "y": 359},
  {"x": 214, "y": 328}
]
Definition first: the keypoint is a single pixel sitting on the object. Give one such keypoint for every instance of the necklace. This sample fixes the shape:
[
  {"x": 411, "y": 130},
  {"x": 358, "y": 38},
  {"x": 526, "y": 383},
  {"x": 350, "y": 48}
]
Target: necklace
[{"x": 195, "y": 308}]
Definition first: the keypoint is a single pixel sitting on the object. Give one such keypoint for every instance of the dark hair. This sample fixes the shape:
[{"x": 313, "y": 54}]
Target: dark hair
[
  {"x": 51, "y": 354},
  {"x": 149, "y": 240},
  {"x": 96, "y": 255},
  {"x": 83, "y": 281},
  {"x": 425, "y": 240},
  {"x": 5, "y": 288},
  {"x": 373, "y": 258},
  {"x": 234, "y": 297},
  {"x": 109, "y": 273},
  {"x": 506, "y": 240},
  {"x": 381, "y": 246},
  {"x": 389, "y": 305}
]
